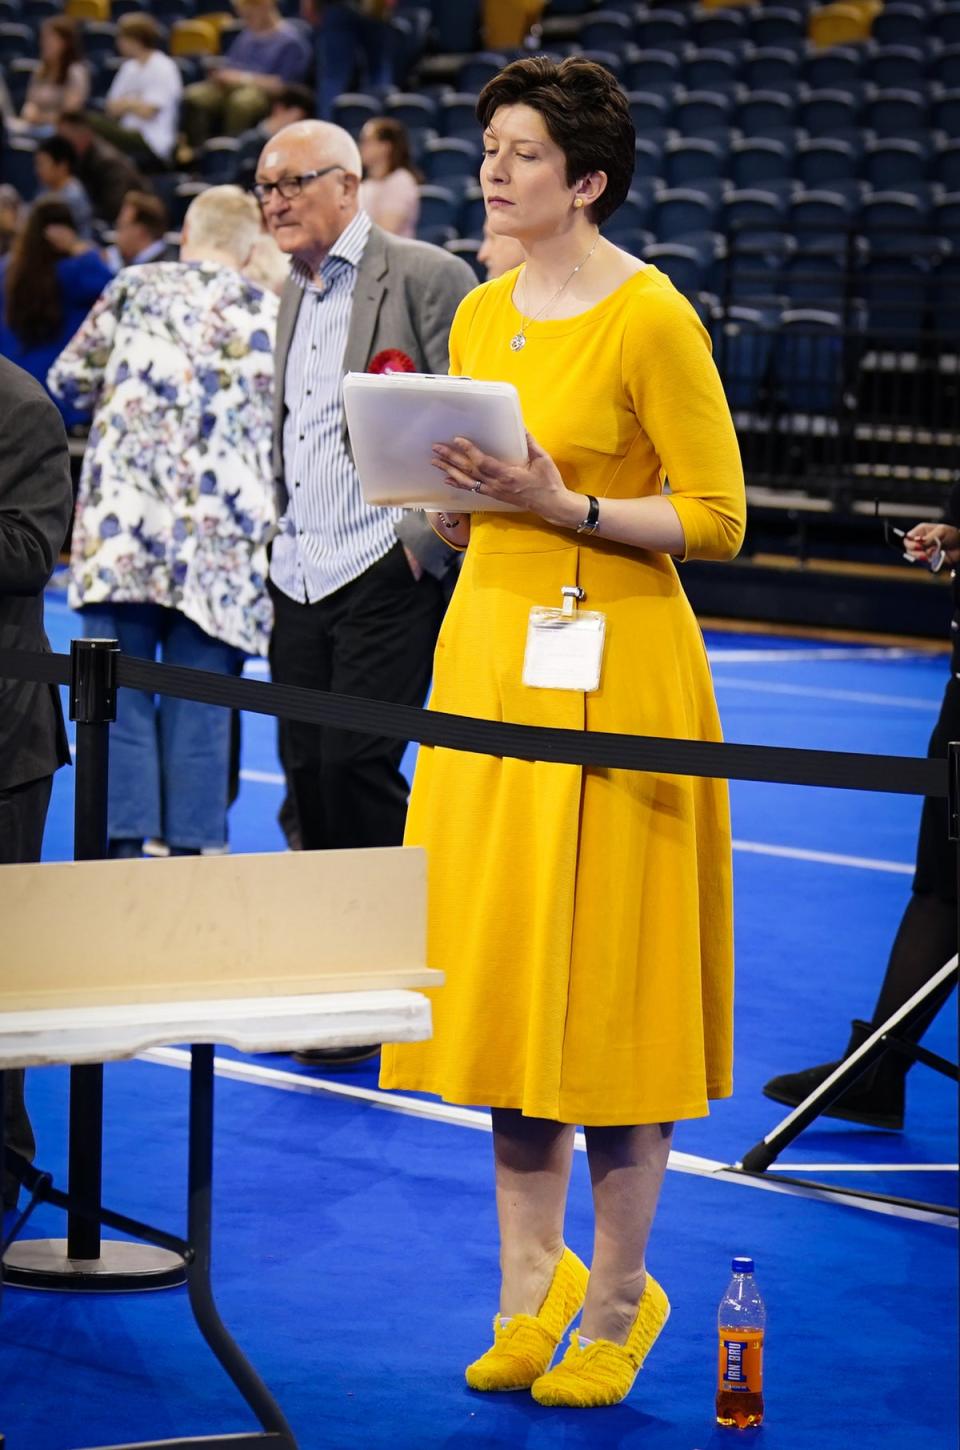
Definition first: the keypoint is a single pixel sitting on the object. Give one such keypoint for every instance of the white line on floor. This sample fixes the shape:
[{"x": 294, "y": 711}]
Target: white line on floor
[
  {"x": 825, "y": 858},
  {"x": 274, "y": 1077},
  {"x": 721, "y": 655},
  {"x": 864, "y": 1168},
  {"x": 812, "y": 692}
]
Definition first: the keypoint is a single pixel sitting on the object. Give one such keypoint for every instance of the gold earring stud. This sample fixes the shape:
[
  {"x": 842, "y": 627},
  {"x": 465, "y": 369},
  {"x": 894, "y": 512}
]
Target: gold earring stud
[{"x": 578, "y": 202}]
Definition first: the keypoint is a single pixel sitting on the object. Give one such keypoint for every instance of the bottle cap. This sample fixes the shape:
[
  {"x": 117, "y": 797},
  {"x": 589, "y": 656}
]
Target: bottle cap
[{"x": 742, "y": 1265}]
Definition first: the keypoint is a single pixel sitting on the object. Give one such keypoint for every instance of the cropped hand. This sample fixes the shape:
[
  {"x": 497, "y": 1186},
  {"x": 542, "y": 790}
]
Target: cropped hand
[
  {"x": 922, "y": 542},
  {"x": 535, "y": 486}
]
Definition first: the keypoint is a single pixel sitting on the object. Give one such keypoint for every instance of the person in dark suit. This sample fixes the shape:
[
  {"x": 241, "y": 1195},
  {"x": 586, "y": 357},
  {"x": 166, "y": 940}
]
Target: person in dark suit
[
  {"x": 358, "y": 591},
  {"x": 36, "y": 498}
]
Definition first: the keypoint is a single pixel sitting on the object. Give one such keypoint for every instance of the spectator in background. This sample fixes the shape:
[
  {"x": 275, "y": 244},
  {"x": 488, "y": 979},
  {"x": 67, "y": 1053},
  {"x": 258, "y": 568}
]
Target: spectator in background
[
  {"x": 348, "y": 32},
  {"x": 267, "y": 55},
  {"x": 11, "y": 212},
  {"x": 507, "y": 23},
  {"x": 267, "y": 266},
  {"x": 390, "y": 189},
  {"x": 61, "y": 82},
  {"x": 106, "y": 173},
  {"x": 141, "y": 229},
  {"x": 48, "y": 289},
  {"x": 293, "y": 103},
  {"x": 55, "y": 164},
  {"x": 144, "y": 99},
  {"x": 36, "y": 498},
  {"x": 499, "y": 254},
  {"x": 175, "y": 507}
]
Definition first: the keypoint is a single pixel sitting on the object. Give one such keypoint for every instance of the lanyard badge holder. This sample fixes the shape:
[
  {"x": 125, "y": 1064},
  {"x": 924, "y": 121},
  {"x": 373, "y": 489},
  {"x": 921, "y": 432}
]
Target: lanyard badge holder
[{"x": 564, "y": 646}]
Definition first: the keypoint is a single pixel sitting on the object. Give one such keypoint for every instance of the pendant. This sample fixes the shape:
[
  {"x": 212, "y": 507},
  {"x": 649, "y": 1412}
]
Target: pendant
[{"x": 517, "y": 342}]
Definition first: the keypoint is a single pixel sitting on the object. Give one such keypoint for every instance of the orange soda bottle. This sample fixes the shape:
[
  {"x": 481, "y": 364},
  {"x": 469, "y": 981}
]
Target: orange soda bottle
[{"x": 741, "y": 1321}]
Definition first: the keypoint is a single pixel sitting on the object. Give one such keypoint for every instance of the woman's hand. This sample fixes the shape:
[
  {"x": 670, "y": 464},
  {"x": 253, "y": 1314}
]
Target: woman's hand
[
  {"x": 923, "y": 542},
  {"x": 535, "y": 486}
]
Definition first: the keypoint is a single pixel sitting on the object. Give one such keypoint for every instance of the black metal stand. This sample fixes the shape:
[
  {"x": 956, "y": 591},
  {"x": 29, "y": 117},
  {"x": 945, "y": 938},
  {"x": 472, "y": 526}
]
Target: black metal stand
[
  {"x": 887, "y": 1037},
  {"x": 81, "y": 1261}
]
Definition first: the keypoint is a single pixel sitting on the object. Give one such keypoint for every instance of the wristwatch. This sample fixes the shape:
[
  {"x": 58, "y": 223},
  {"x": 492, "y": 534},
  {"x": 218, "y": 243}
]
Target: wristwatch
[{"x": 592, "y": 521}]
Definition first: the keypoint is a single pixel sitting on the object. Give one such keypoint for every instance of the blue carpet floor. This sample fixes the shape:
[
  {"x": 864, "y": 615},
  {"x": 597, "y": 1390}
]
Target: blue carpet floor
[{"x": 355, "y": 1247}]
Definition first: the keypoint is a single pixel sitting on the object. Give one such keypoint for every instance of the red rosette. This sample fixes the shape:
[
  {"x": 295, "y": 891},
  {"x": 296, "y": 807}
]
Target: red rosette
[{"x": 391, "y": 360}]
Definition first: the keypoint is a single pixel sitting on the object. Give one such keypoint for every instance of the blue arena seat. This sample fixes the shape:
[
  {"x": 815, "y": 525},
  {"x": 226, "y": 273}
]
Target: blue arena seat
[
  {"x": 457, "y": 115},
  {"x": 16, "y": 165},
  {"x": 751, "y": 210},
  {"x": 648, "y": 154},
  {"x": 710, "y": 69},
  {"x": 219, "y": 160},
  {"x": 606, "y": 30},
  {"x": 631, "y": 214},
  {"x": 692, "y": 160},
  {"x": 16, "y": 41},
  {"x": 945, "y": 300},
  {"x": 437, "y": 235},
  {"x": 35, "y": 12},
  {"x": 634, "y": 240},
  {"x": 761, "y": 112},
  {"x": 945, "y": 166},
  {"x": 945, "y": 66},
  {"x": 755, "y": 160},
  {"x": 411, "y": 109},
  {"x": 776, "y": 25},
  {"x": 662, "y": 30},
  {"x": 887, "y": 215},
  {"x": 770, "y": 66},
  {"x": 895, "y": 111},
  {"x": 439, "y": 207},
  {"x": 816, "y": 272},
  {"x": 900, "y": 24},
  {"x": 353, "y": 109},
  {"x": 653, "y": 70},
  {"x": 684, "y": 265},
  {"x": 450, "y": 156},
  {"x": 754, "y": 264},
  {"x": 808, "y": 361},
  {"x": 678, "y": 211},
  {"x": 896, "y": 65},
  {"x": 649, "y": 111},
  {"x": 723, "y": 29},
  {"x": 945, "y": 112},
  {"x": 836, "y": 68},
  {"x": 819, "y": 209},
  {"x": 473, "y": 213},
  {"x": 945, "y": 24},
  {"x": 825, "y": 112},
  {"x": 894, "y": 161},
  {"x": 477, "y": 69},
  {"x": 701, "y": 111},
  {"x": 18, "y": 76},
  {"x": 898, "y": 289},
  {"x": 467, "y": 248},
  {"x": 945, "y": 217},
  {"x": 821, "y": 161},
  {"x": 457, "y": 27},
  {"x": 742, "y": 340}
]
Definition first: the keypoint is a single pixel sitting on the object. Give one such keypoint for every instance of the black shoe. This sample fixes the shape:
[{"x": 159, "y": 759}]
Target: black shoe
[
  {"x": 876, "y": 1099},
  {"x": 333, "y": 1058}
]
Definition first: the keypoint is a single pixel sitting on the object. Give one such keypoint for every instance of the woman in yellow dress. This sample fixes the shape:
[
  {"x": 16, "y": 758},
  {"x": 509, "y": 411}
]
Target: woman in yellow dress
[{"x": 582, "y": 916}]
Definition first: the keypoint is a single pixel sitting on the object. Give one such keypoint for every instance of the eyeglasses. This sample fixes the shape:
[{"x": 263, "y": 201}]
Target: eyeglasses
[{"x": 289, "y": 186}]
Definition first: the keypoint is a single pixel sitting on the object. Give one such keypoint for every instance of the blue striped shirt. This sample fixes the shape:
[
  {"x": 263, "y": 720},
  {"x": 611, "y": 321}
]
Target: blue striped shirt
[{"x": 328, "y": 536}]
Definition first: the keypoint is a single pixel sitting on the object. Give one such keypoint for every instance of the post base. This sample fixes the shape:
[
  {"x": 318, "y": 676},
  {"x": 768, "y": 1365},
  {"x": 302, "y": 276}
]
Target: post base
[{"x": 122, "y": 1268}]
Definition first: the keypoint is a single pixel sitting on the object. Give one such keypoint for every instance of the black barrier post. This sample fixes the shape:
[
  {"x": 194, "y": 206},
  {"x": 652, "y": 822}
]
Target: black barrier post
[
  {"x": 81, "y": 1261},
  {"x": 93, "y": 705}
]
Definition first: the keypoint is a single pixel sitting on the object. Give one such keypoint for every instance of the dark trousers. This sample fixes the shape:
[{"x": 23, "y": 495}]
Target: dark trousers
[
  {"x": 23, "y": 813},
  {"x": 373, "y": 638}
]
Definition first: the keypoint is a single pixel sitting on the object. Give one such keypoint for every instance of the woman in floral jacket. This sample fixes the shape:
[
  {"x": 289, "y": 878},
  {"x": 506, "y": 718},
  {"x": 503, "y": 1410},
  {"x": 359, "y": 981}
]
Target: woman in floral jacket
[{"x": 175, "y": 507}]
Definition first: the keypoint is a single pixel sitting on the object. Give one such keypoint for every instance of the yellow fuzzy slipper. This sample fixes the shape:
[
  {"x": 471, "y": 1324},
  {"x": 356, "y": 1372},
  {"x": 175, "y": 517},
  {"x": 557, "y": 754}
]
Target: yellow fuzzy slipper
[
  {"x": 601, "y": 1372},
  {"x": 524, "y": 1344}
]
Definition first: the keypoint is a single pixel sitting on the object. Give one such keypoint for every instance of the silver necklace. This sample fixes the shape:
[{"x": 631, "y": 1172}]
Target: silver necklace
[{"x": 519, "y": 338}]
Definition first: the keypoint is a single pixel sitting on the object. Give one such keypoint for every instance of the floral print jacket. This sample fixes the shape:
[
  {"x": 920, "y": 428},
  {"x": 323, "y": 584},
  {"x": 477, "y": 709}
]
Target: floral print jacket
[{"x": 175, "y": 505}]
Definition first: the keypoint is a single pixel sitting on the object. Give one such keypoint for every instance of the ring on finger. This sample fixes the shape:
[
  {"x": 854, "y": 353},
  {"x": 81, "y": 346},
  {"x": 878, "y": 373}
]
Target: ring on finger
[{"x": 477, "y": 487}]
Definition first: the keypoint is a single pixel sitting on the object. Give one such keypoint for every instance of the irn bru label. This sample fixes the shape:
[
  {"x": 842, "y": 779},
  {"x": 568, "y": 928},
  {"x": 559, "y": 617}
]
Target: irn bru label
[{"x": 740, "y": 1364}]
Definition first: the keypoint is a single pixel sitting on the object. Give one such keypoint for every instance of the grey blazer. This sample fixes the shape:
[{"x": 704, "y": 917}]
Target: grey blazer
[
  {"x": 36, "y": 500},
  {"x": 405, "y": 297}
]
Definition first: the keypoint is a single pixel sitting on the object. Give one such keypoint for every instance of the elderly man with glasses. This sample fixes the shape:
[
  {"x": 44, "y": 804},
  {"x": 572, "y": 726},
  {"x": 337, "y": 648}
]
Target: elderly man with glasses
[{"x": 358, "y": 592}]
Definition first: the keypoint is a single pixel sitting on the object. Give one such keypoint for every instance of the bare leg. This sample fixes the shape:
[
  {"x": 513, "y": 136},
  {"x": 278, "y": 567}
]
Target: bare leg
[
  {"x": 626, "y": 1169},
  {"x": 532, "y": 1157}
]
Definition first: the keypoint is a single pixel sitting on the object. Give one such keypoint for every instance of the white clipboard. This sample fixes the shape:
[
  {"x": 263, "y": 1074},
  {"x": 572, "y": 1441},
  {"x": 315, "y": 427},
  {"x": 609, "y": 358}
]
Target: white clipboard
[{"x": 393, "y": 420}]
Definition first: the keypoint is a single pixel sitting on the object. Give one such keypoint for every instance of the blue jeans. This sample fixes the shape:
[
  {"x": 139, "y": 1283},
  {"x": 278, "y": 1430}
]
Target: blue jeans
[
  {"x": 169, "y": 759},
  {"x": 341, "y": 39}
]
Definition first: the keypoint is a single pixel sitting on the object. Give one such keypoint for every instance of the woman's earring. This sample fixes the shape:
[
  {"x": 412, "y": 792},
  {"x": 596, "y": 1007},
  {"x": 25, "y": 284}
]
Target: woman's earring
[{"x": 578, "y": 202}]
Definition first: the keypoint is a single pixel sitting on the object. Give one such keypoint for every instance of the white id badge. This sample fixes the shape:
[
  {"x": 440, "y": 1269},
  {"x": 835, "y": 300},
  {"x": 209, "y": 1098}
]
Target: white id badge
[{"x": 564, "y": 646}]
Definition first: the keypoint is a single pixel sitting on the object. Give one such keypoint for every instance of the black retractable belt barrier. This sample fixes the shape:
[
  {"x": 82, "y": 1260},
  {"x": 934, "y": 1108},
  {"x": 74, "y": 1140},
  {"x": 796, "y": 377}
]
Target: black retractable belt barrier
[{"x": 94, "y": 671}]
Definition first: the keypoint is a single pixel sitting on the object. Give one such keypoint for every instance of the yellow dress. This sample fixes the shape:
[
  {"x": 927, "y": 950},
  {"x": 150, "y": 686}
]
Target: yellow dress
[{"x": 583, "y": 917}]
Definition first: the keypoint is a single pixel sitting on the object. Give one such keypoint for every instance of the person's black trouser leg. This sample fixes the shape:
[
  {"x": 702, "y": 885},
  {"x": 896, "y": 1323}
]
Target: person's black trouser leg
[
  {"x": 23, "y": 813},
  {"x": 373, "y": 638}
]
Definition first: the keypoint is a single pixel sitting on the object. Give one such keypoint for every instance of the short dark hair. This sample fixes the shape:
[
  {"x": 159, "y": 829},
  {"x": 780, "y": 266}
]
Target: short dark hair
[
  {"x": 149, "y": 212},
  {"x": 142, "y": 28},
  {"x": 585, "y": 113},
  {"x": 60, "y": 150},
  {"x": 296, "y": 95}
]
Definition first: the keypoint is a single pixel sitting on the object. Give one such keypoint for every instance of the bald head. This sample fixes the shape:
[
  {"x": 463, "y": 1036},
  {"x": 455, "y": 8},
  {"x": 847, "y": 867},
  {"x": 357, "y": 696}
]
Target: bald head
[
  {"x": 317, "y": 144},
  {"x": 308, "y": 177}
]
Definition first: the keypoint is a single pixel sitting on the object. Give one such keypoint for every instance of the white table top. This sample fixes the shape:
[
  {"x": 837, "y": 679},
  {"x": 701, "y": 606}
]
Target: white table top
[{"x": 77, "y": 1035}]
